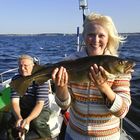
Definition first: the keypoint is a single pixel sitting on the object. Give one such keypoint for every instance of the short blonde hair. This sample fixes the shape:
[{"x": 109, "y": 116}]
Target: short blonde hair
[{"x": 105, "y": 21}]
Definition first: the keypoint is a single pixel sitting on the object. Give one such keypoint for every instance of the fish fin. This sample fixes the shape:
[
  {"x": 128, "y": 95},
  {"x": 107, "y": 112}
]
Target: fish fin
[
  {"x": 20, "y": 85},
  {"x": 37, "y": 68},
  {"x": 41, "y": 79}
]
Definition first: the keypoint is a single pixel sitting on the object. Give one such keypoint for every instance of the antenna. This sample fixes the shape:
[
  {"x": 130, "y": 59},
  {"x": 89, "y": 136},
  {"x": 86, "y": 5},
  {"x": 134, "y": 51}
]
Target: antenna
[{"x": 83, "y": 4}]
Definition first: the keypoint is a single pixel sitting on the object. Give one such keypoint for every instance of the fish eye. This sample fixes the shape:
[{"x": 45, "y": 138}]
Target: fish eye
[{"x": 121, "y": 62}]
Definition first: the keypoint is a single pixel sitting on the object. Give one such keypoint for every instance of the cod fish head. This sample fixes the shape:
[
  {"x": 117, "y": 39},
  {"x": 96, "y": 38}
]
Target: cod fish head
[
  {"x": 129, "y": 66},
  {"x": 122, "y": 66}
]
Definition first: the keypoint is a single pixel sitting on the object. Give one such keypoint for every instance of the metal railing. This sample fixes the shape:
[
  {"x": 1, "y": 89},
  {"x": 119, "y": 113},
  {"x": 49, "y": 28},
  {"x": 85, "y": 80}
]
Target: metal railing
[{"x": 7, "y": 75}]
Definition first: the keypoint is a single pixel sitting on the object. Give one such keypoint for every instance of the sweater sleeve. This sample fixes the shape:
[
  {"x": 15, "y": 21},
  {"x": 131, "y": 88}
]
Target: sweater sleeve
[
  {"x": 65, "y": 104},
  {"x": 122, "y": 102}
]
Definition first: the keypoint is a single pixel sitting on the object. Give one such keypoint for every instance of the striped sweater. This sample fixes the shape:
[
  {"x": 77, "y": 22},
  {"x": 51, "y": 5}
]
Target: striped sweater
[{"x": 91, "y": 115}]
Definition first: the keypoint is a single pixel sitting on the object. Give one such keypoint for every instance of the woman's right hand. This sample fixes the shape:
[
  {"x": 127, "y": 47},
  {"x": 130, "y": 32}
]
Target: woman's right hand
[{"x": 60, "y": 77}]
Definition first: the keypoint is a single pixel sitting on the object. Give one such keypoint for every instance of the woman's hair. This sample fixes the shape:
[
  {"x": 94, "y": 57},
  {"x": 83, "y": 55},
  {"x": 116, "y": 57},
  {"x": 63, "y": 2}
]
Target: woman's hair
[{"x": 114, "y": 39}]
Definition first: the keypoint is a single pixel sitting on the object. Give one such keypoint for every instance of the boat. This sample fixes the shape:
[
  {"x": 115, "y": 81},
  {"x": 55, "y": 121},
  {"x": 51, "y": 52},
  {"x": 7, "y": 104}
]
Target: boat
[
  {"x": 5, "y": 92},
  {"x": 5, "y": 105}
]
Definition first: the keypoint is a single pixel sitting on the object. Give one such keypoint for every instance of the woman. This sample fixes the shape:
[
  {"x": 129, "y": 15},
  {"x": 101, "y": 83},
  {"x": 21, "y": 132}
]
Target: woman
[{"x": 95, "y": 107}]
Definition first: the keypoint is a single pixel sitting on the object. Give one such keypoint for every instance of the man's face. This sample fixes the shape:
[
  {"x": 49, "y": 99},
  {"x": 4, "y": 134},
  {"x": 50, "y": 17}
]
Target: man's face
[{"x": 26, "y": 67}]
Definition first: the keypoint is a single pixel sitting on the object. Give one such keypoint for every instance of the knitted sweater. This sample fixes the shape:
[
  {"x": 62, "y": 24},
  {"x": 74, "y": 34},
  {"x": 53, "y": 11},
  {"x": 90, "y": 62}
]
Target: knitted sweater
[{"x": 91, "y": 117}]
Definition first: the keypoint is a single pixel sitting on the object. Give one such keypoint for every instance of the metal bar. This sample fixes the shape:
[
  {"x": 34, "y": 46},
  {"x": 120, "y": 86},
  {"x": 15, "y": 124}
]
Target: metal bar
[{"x": 132, "y": 124}]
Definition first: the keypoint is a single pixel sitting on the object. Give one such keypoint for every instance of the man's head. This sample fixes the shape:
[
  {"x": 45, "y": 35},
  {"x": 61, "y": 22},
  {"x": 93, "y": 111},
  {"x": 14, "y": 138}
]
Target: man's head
[{"x": 25, "y": 63}]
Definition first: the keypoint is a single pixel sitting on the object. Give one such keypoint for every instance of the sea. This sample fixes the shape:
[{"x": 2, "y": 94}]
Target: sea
[{"x": 51, "y": 48}]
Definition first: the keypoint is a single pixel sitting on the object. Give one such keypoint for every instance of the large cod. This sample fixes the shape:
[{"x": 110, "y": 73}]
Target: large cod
[{"x": 77, "y": 70}]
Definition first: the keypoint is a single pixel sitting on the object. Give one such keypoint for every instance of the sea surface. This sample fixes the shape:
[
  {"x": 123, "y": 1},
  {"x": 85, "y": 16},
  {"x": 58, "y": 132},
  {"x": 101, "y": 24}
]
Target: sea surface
[{"x": 51, "y": 48}]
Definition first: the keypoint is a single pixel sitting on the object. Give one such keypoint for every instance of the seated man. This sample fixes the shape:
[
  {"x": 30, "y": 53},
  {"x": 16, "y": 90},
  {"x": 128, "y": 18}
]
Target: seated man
[{"x": 32, "y": 109}]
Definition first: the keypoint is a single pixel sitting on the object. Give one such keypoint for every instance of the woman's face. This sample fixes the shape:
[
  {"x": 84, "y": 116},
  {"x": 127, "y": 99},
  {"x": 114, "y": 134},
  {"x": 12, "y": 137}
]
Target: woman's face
[{"x": 96, "y": 39}]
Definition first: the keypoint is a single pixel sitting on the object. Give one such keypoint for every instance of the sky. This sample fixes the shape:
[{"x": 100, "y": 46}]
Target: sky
[{"x": 64, "y": 16}]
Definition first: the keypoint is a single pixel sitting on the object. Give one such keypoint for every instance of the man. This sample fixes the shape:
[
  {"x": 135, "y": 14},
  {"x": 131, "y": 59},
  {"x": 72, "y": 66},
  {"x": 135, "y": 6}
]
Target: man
[{"x": 32, "y": 109}]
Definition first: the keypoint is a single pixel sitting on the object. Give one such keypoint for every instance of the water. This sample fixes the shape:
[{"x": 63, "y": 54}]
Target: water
[
  {"x": 47, "y": 48},
  {"x": 52, "y": 48}
]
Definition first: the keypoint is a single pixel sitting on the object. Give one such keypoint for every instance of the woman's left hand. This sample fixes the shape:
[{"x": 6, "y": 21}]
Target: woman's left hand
[{"x": 98, "y": 75}]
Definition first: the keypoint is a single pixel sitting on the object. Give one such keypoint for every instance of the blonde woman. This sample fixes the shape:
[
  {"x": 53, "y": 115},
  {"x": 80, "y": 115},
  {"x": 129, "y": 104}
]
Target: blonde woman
[{"x": 95, "y": 107}]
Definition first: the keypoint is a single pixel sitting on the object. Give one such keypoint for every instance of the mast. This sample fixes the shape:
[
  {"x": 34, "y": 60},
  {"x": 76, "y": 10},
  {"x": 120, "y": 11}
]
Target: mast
[{"x": 83, "y": 4}]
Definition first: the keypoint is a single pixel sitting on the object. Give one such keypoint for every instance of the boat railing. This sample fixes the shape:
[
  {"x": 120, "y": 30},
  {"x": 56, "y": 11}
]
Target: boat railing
[
  {"x": 134, "y": 126},
  {"x": 5, "y": 77},
  {"x": 133, "y": 130}
]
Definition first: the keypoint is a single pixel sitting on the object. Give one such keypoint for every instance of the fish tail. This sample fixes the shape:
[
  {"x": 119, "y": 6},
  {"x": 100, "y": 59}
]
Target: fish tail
[{"x": 21, "y": 84}]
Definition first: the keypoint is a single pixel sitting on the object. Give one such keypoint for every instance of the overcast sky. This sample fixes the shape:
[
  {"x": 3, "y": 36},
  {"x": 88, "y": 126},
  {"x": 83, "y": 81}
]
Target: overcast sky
[{"x": 63, "y": 16}]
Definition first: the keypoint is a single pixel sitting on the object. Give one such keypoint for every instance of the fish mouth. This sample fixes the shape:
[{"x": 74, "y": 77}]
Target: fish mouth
[{"x": 129, "y": 68}]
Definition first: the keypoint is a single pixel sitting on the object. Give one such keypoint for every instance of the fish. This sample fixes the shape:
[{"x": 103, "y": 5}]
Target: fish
[{"x": 78, "y": 70}]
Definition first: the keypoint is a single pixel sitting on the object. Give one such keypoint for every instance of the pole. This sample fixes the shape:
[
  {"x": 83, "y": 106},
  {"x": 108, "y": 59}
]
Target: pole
[
  {"x": 84, "y": 16},
  {"x": 78, "y": 40}
]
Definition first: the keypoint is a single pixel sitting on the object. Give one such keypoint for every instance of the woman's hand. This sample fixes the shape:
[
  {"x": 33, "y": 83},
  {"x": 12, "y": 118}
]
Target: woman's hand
[
  {"x": 98, "y": 75},
  {"x": 60, "y": 77}
]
